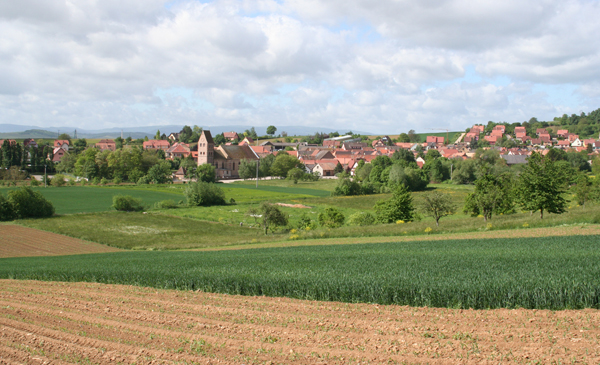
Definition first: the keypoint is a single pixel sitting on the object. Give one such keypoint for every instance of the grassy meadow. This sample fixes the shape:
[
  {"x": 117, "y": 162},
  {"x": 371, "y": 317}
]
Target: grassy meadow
[
  {"x": 90, "y": 199},
  {"x": 542, "y": 273},
  {"x": 231, "y": 225}
]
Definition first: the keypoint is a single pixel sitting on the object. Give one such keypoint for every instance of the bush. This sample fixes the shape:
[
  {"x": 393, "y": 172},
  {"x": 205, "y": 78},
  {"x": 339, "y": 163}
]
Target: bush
[
  {"x": 126, "y": 203},
  {"x": 346, "y": 187},
  {"x": 399, "y": 207},
  {"x": 272, "y": 217},
  {"x": 7, "y": 211},
  {"x": 34, "y": 182},
  {"x": 104, "y": 181},
  {"x": 143, "y": 180},
  {"x": 331, "y": 218},
  {"x": 30, "y": 204},
  {"x": 361, "y": 219},
  {"x": 58, "y": 180},
  {"x": 166, "y": 204},
  {"x": 204, "y": 194},
  {"x": 295, "y": 174},
  {"x": 305, "y": 222}
]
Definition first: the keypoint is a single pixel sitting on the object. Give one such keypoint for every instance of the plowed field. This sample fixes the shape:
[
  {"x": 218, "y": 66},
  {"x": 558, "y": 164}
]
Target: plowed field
[
  {"x": 17, "y": 241},
  {"x": 50, "y": 322}
]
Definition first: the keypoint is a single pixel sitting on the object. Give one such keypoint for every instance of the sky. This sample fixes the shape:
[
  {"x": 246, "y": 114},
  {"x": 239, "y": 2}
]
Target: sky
[{"x": 385, "y": 66}]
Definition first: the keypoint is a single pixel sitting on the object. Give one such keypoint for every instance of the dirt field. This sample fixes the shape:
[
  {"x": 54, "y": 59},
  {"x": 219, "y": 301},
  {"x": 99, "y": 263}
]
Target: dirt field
[
  {"x": 17, "y": 241},
  {"x": 58, "y": 323}
]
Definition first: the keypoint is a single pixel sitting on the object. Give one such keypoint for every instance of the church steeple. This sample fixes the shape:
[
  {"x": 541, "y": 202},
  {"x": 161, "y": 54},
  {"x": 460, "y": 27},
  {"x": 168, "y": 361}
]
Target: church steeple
[{"x": 206, "y": 148}]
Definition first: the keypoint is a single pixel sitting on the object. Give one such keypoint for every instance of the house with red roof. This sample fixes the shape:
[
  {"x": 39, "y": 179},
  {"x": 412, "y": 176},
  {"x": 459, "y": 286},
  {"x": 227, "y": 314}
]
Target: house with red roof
[
  {"x": 231, "y": 136},
  {"x": 492, "y": 139},
  {"x": 178, "y": 150},
  {"x": 106, "y": 145},
  {"x": 58, "y": 153},
  {"x": 156, "y": 144},
  {"x": 435, "y": 139}
]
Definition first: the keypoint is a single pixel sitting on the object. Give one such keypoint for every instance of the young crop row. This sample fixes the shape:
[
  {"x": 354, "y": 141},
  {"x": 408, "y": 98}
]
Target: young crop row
[{"x": 543, "y": 273}]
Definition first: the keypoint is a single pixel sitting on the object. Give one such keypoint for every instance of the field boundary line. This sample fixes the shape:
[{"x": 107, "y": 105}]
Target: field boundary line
[{"x": 571, "y": 230}]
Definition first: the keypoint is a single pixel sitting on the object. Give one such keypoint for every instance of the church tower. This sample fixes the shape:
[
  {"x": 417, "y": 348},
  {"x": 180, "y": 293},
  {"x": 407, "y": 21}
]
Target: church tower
[{"x": 206, "y": 148}]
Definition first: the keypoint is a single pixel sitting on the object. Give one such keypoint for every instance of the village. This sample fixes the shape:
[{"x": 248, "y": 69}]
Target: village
[{"x": 338, "y": 154}]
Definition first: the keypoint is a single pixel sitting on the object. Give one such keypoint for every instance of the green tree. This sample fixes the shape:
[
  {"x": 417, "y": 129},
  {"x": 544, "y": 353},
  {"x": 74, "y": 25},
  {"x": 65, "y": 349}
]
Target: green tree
[
  {"x": 403, "y": 138},
  {"x": 437, "y": 206},
  {"x": 204, "y": 194},
  {"x": 65, "y": 136},
  {"x": 157, "y": 135},
  {"x": 346, "y": 187},
  {"x": 126, "y": 203},
  {"x": 86, "y": 164},
  {"x": 206, "y": 173},
  {"x": 58, "y": 180},
  {"x": 271, "y": 129},
  {"x": 404, "y": 157},
  {"x": 295, "y": 174},
  {"x": 361, "y": 219},
  {"x": 7, "y": 211},
  {"x": 493, "y": 194},
  {"x": 272, "y": 217},
  {"x": 159, "y": 173},
  {"x": 338, "y": 168},
  {"x": 247, "y": 169},
  {"x": 30, "y": 204},
  {"x": 540, "y": 186},
  {"x": 398, "y": 207},
  {"x": 284, "y": 163},
  {"x": 185, "y": 135},
  {"x": 264, "y": 166},
  {"x": 331, "y": 218},
  {"x": 583, "y": 189},
  {"x": 413, "y": 137}
]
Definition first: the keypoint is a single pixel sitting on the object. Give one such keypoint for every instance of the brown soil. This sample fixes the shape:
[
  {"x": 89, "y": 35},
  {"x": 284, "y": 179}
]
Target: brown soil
[
  {"x": 294, "y": 205},
  {"x": 58, "y": 323},
  {"x": 17, "y": 241}
]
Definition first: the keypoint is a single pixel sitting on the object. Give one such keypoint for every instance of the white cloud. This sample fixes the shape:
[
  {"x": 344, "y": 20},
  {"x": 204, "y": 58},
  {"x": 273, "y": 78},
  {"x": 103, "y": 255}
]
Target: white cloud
[{"x": 385, "y": 66}]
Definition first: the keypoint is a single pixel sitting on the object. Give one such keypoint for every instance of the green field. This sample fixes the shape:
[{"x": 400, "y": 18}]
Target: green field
[
  {"x": 139, "y": 231},
  {"x": 543, "y": 273},
  {"x": 88, "y": 199}
]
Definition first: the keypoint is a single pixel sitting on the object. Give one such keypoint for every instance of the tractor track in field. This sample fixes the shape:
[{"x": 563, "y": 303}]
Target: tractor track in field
[{"x": 65, "y": 323}]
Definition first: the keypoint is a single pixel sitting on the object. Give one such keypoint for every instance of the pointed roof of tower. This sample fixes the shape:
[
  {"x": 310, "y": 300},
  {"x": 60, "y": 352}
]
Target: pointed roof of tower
[{"x": 208, "y": 136}]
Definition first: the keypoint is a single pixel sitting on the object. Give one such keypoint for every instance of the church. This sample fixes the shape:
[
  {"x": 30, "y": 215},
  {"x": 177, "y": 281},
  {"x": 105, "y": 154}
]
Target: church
[{"x": 225, "y": 159}]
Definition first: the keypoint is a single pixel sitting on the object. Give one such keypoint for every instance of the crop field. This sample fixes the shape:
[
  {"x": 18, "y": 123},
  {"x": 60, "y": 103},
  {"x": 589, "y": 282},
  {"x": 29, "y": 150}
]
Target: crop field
[
  {"x": 87, "y": 199},
  {"x": 534, "y": 273},
  {"x": 85, "y": 323},
  {"x": 17, "y": 241},
  {"x": 322, "y": 184}
]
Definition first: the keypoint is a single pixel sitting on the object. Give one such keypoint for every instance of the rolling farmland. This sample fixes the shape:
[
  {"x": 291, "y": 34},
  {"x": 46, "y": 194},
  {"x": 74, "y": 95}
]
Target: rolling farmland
[
  {"x": 84, "y": 323},
  {"x": 17, "y": 241},
  {"x": 535, "y": 273}
]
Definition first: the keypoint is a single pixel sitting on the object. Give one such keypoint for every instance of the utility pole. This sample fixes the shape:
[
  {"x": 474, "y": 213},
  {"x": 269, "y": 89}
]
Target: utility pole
[
  {"x": 257, "y": 162},
  {"x": 45, "y": 176}
]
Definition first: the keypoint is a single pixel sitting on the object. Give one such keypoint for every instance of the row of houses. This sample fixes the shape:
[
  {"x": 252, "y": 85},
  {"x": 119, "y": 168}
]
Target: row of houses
[{"x": 542, "y": 138}]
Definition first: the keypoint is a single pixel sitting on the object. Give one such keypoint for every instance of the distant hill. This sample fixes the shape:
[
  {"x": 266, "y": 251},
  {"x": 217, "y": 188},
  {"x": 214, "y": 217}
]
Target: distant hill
[
  {"x": 20, "y": 132},
  {"x": 30, "y": 133}
]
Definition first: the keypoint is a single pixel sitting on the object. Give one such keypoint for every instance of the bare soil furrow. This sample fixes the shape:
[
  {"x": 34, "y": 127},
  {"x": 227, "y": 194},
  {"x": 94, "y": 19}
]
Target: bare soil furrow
[{"x": 89, "y": 320}]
